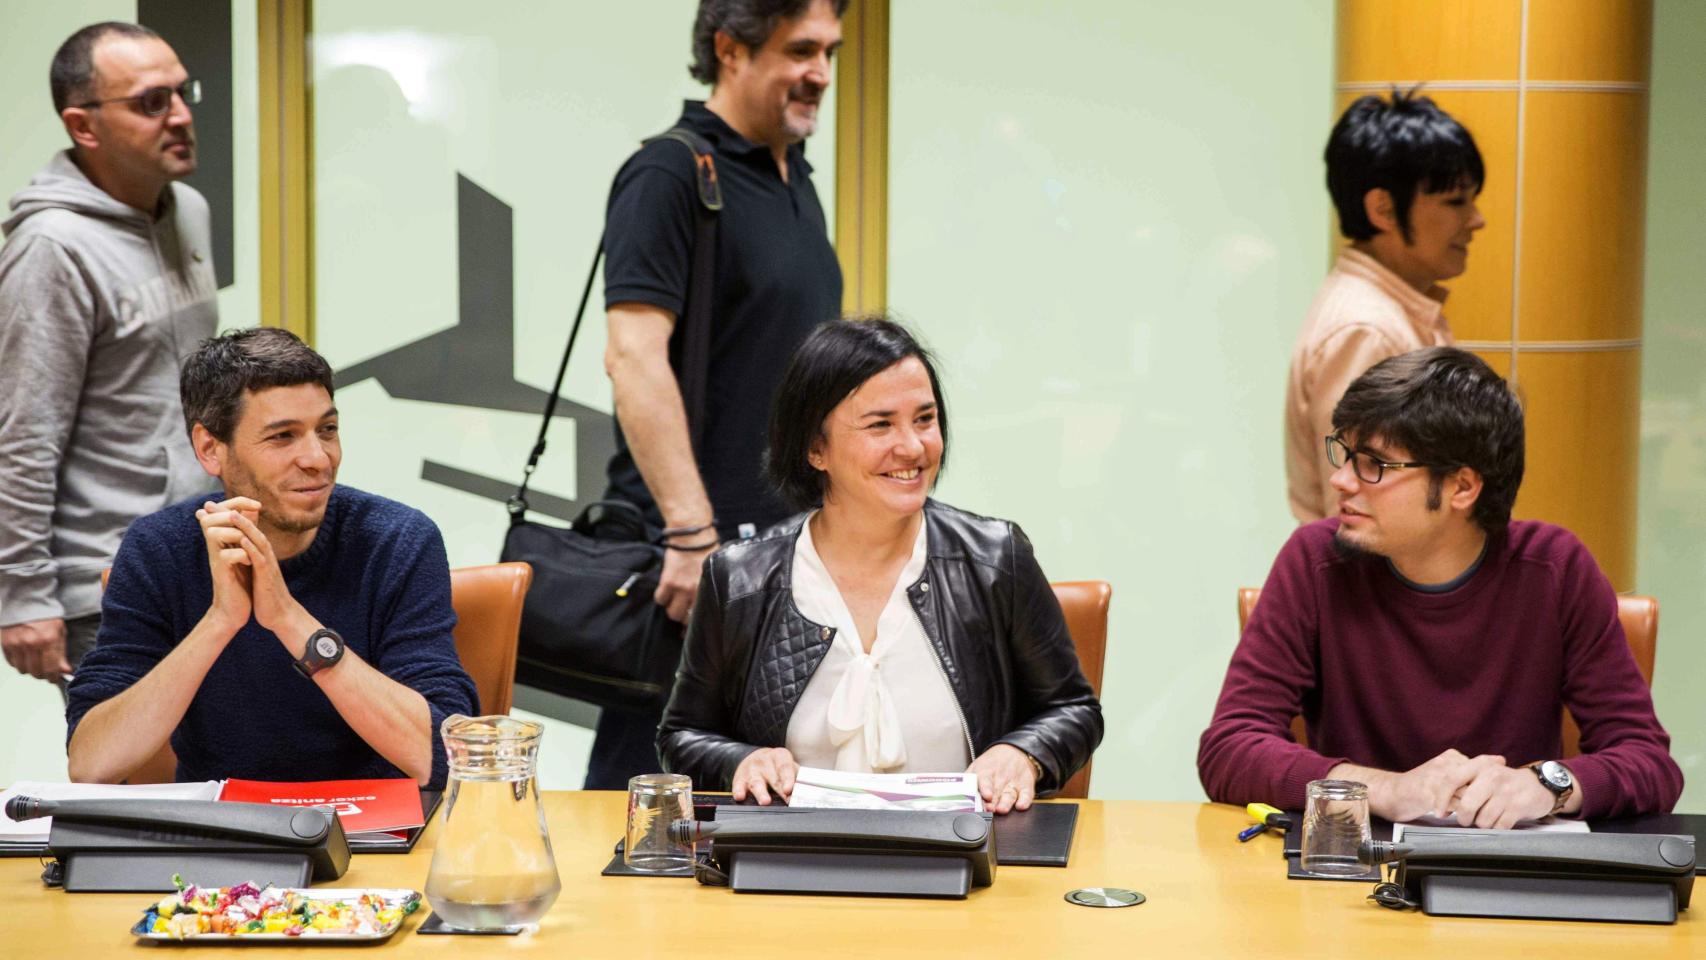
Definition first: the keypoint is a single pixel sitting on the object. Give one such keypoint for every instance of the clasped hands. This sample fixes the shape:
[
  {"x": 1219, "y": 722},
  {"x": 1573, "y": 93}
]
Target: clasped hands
[
  {"x": 246, "y": 575},
  {"x": 1005, "y": 777},
  {"x": 1477, "y": 791}
]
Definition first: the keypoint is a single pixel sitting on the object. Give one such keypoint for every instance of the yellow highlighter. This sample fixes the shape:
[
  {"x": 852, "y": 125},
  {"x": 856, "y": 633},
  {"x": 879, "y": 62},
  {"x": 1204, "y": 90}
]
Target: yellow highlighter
[{"x": 1266, "y": 817}]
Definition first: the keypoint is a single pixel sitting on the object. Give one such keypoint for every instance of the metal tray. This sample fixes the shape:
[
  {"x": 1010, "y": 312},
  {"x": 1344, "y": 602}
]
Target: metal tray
[{"x": 228, "y": 939}]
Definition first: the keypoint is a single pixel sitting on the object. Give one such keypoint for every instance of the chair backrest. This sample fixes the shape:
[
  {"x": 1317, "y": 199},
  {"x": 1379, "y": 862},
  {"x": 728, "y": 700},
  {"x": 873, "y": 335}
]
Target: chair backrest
[
  {"x": 1085, "y": 604},
  {"x": 1640, "y": 616},
  {"x": 1640, "y": 619},
  {"x": 1246, "y": 603},
  {"x": 487, "y": 601}
]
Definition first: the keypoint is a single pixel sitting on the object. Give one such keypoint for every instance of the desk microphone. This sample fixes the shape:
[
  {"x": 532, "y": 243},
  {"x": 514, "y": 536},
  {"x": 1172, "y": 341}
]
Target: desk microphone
[
  {"x": 292, "y": 826},
  {"x": 1376, "y": 852},
  {"x": 1538, "y": 874}
]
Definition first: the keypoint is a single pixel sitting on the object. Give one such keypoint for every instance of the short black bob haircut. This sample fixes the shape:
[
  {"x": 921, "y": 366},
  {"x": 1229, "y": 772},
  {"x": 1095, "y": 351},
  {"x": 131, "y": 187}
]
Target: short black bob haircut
[
  {"x": 222, "y": 369},
  {"x": 835, "y": 360},
  {"x": 1444, "y": 407},
  {"x": 749, "y": 22},
  {"x": 1399, "y": 146},
  {"x": 71, "y": 78}
]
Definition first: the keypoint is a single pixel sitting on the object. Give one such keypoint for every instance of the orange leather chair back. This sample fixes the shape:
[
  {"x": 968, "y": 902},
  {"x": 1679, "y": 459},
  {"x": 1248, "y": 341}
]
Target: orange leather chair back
[
  {"x": 488, "y": 622},
  {"x": 1085, "y": 604},
  {"x": 1246, "y": 604},
  {"x": 1640, "y": 618},
  {"x": 487, "y": 601}
]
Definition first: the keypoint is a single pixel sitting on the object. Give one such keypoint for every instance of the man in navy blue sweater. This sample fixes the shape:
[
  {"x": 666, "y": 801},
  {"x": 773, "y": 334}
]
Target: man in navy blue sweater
[{"x": 295, "y": 630}]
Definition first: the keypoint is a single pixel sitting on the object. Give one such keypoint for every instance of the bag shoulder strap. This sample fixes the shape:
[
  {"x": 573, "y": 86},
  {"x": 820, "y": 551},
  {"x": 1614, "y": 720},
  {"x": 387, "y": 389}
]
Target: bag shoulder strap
[
  {"x": 696, "y": 353},
  {"x": 696, "y": 337}
]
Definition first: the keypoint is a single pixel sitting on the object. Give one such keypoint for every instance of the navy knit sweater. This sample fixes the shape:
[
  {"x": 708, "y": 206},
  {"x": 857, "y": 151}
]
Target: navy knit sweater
[{"x": 376, "y": 573}]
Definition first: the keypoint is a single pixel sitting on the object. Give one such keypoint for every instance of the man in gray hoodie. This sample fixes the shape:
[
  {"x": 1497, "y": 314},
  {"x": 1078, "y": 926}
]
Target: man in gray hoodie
[{"x": 106, "y": 283}]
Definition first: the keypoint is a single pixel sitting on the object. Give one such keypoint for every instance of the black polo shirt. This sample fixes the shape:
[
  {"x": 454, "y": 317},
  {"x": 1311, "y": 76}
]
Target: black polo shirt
[{"x": 776, "y": 279}]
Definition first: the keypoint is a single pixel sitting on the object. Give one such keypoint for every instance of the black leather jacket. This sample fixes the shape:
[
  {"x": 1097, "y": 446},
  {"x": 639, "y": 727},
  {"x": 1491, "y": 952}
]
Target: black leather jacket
[{"x": 991, "y": 618}]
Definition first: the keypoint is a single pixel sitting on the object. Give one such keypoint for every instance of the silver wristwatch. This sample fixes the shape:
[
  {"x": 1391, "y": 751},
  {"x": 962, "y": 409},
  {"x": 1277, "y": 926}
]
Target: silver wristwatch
[{"x": 1555, "y": 777}]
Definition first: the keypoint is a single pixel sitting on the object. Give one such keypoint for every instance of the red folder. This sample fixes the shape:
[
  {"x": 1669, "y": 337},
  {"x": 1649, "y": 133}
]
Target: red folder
[{"x": 365, "y": 806}]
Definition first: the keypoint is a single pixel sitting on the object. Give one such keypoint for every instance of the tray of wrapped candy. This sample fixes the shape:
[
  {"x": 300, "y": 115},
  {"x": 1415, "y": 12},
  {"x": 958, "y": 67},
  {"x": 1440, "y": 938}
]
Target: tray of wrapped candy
[{"x": 249, "y": 914}]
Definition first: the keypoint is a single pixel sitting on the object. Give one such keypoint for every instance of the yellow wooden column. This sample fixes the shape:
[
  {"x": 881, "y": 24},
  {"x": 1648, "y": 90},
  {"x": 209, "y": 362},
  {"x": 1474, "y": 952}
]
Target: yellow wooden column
[
  {"x": 1555, "y": 92},
  {"x": 287, "y": 249},
  {"x": 862, "y": 156}
]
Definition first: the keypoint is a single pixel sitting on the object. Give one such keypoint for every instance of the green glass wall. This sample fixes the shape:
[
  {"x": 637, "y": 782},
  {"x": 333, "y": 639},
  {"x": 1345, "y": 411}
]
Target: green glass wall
[
  {"x": 1671, "y": 542},
  {"x": 1109, "y": 219}
]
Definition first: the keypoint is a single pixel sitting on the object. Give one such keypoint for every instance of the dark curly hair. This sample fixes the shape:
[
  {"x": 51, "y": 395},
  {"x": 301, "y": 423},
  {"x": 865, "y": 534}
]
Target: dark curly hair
[
  {"x": 749, "y": 22},
  {"x": 1449, "y": 410},
  {"x": 222, "y": 369}
]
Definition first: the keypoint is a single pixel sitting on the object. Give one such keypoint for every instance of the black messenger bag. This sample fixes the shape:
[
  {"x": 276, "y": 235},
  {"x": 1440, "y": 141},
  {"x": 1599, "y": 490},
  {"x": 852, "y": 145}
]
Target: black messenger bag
[{"x": 589, "y": 626}]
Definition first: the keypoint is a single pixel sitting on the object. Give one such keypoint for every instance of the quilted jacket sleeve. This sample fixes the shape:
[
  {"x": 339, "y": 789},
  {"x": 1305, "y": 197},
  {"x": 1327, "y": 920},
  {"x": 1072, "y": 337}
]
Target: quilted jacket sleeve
[
  {"x": 694, "y": 735},
  {"x": 1064, "y": 723}
]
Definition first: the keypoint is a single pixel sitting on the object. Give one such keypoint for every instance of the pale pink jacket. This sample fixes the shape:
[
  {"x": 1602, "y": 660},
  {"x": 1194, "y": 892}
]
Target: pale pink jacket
[{"x": 1362, "y": 314}]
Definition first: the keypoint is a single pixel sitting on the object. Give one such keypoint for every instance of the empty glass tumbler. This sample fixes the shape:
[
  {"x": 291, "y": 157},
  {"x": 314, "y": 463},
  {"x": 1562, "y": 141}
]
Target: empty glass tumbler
[
  {"x": 492, "y": 868},
  {"x": 1335, "y": 824},
  {"x": 655, "y": 800}
]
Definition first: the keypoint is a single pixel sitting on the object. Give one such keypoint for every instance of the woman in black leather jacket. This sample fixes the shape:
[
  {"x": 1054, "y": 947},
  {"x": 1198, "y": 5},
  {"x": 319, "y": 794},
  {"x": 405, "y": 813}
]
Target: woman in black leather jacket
[{"x": 882, "y": 632}]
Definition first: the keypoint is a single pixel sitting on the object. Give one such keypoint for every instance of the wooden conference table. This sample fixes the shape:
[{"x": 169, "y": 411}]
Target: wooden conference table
[{"x": 1209, "y": 896}]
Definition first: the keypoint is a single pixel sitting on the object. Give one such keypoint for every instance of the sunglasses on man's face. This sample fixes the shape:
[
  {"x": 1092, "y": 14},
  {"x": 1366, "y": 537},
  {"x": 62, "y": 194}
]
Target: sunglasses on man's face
[{"x": 155, "y": 101}]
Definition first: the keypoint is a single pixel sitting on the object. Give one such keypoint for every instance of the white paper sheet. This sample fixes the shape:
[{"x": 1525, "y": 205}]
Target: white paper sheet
[
  {"x": 815, "y": 787},
  {"x": 1447, "y": 825}
]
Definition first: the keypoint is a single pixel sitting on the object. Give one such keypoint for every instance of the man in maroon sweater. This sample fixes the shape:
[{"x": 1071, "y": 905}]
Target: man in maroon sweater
[{"x": 1429, "y": 641}]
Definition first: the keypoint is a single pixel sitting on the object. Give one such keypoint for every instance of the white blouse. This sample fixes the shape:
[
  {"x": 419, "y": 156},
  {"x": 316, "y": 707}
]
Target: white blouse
[{"x": 887, "y": 711}]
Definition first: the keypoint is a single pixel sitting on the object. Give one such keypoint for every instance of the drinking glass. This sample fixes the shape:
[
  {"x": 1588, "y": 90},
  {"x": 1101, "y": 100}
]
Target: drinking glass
[
  {"x": 655, "y": 800},
  {"x": 1335, "y": 824},
  {"x": 492, "y": 868}
]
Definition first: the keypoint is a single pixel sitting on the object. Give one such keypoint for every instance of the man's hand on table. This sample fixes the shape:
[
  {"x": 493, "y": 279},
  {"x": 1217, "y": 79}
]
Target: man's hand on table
[
  {"x": 1428, "y": 790},
  {"x": 1498, "y": 797},
  {"x": 1476, "y": 791}
]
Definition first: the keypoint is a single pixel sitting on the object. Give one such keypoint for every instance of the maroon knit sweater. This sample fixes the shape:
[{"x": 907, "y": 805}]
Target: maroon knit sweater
[{"x": 1388, "y": 676}]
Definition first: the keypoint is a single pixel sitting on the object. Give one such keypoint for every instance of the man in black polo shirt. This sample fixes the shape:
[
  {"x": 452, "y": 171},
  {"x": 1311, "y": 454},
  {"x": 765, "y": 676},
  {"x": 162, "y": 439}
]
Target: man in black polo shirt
[{"x": 776, "y": 277}]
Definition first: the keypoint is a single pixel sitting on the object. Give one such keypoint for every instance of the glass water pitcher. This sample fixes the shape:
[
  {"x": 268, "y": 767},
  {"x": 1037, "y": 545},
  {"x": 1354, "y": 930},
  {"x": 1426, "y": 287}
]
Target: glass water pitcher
[{"x": 492, "y": 867}]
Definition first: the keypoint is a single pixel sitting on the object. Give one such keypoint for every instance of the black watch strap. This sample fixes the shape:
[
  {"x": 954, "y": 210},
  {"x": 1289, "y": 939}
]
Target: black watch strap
[{"x": 324, "y": 648}]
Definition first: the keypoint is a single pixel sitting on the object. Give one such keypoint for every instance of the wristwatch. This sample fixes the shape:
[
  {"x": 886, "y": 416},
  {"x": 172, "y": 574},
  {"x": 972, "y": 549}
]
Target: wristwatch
[
  {"x": 324, "y": 648},
  {"x": 1555, "y": 777}
]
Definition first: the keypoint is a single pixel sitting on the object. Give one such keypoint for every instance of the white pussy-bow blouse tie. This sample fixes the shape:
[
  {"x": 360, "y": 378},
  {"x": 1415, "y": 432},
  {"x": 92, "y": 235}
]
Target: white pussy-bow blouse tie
[{"x": 861, "y": 703}]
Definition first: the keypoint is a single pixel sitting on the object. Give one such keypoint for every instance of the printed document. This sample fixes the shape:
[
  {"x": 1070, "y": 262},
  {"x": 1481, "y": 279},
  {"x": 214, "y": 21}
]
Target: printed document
[
  {"x": 840, "y": 789},
  {"x": 1448, "y": 825}
]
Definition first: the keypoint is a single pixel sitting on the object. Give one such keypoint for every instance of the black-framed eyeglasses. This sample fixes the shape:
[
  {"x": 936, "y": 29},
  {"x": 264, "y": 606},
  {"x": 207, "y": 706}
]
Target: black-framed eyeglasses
[
  {"x": 1368, "y": 467},
  {"x": 155, "y": 101}
]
